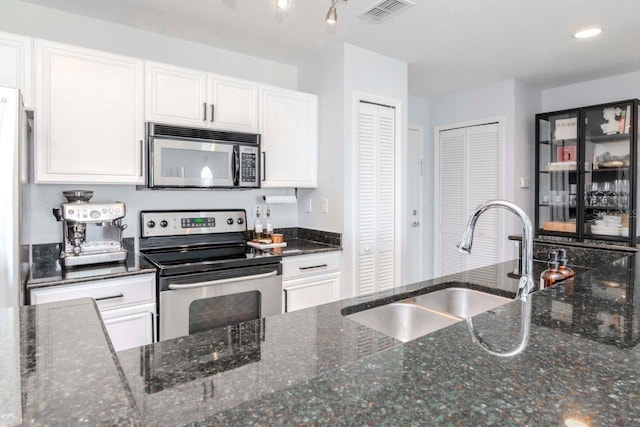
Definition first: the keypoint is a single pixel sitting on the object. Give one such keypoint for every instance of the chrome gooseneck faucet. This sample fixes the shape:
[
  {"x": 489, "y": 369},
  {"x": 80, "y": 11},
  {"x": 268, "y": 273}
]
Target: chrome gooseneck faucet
[{"x": 526, "y": 284}]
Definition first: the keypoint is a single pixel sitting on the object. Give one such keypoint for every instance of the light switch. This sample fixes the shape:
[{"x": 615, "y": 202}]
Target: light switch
[
  {"x": 524, "y": 182},
  {"x": 325, "y": 205},
  {"x": 307, "y": 205}
]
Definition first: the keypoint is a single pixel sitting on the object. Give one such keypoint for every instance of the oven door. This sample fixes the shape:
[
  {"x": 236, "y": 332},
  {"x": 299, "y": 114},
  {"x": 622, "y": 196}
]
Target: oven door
[
  {"x": 181, "y": 163},
  {"x": 201, "y": 302}
]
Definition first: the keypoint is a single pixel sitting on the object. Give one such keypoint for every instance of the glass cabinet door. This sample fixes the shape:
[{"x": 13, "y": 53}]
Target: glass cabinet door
[
  {"x": 608, "y": 173},
  {"x": 558, "y": 177}
]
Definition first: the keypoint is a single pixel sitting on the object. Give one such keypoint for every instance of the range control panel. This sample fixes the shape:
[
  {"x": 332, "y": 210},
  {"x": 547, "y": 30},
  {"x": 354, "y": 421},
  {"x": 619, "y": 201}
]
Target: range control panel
[{"x": 181, "y": 223}]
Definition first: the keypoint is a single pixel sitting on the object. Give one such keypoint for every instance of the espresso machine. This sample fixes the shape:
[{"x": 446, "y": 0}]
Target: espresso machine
[{"x": 92, "y": 232}]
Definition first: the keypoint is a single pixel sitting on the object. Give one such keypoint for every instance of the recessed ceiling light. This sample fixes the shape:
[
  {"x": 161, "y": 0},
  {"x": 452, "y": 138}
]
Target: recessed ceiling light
[
  {"x": 589, "y": 32},
  {"x": 282, "y": 4}
]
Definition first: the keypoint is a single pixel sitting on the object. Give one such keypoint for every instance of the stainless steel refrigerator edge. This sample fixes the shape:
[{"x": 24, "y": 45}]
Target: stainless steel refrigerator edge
[{"x": 14, "y": 248}]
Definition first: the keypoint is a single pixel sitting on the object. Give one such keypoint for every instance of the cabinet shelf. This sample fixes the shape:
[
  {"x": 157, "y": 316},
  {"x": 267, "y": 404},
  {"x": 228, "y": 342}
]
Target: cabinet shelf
[
  {"x": 603, "y": 139},
  {"x": 602, "y": 170}
]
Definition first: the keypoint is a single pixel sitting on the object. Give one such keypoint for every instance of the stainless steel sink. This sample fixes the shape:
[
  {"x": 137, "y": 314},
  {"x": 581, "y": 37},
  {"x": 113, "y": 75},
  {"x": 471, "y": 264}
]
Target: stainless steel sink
[
  {"x": 402, "y": 320},
  {"x": 414, "y": 317},
  {"x": 460, "y": 302}
]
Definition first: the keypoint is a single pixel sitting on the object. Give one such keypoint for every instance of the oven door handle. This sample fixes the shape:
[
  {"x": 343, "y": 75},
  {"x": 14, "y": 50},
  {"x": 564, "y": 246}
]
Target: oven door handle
[{"x": 175, "y": 286}]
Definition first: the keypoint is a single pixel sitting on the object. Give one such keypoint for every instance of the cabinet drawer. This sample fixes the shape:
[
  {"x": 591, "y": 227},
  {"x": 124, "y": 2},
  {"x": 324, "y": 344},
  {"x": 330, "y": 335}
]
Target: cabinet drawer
[
  {"x": 305, "y": 265},
  {"x": 109, "y": 293}
]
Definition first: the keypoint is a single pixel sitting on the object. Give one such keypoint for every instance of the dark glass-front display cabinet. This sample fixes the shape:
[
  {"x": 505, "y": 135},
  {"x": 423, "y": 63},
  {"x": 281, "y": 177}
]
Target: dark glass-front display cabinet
[{"x": 586, "y": 173}]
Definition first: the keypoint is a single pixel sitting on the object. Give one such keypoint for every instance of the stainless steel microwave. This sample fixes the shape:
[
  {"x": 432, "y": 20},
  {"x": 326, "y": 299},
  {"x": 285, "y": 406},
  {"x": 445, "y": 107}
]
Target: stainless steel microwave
[{"x": 181, "y": 157}]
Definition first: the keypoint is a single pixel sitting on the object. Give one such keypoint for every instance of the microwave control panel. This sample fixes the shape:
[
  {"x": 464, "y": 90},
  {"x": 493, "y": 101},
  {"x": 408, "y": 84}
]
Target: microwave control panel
[{"x": 248, "y": 165}]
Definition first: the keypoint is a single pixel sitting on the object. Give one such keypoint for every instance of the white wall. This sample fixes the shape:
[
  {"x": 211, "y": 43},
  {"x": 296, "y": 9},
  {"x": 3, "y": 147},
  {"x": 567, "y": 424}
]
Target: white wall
[
  {"x": 419, "y": 114},
  {"x": 367, "y": 72},
  {"x": 45, "y": 229},
  {"x": 527, "y": 105},
  {"x": 51, "y": 24},
  {"x": 600, "y": 91},
  {"x": 324, "y": 75}
]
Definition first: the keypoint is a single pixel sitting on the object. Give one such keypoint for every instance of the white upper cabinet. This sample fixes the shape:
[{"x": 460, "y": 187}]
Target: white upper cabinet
[
  {"x": 175, "y": 95},
  {"x": 181, "y": 96},
  {"x": 233, "y": 104},
  {"x": 89, "y": 116},
  {"x": 289, "y": 127},
  {"x": 15, "y": 65}
]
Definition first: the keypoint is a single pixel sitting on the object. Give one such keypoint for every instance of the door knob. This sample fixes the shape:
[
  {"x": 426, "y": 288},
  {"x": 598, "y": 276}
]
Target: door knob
[{"x": 415, "y": 224}]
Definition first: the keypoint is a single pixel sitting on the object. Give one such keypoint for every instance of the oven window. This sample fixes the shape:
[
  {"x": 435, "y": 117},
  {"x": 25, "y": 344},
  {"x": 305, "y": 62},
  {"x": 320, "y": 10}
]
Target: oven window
[
  {"x": 195, "y": 164},
  {"x": 221, "y": 311}
]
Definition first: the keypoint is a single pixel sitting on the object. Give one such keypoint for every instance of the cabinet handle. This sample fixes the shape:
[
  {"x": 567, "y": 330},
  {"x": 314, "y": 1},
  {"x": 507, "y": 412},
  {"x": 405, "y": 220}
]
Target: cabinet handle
[
  {"x": 264, "y": 166},
  {"x": 141, "y": 158},
  {"x": 204, "y": 111},
  {"x": 285, "y": 301},
  {"x": 313, "y": 266},
  {"x": 153, "y": 327},
  {"x": 212, "y": 112},
  {"x": 110, "y": 297}
]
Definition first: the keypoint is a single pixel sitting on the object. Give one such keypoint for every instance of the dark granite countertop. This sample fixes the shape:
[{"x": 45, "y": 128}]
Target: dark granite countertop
[
  {"x": 47, "y": 271},
  {"x": 562, "y": 241},
  {"x": 59, "y": 368},
  {"x": 304, "y": 247},
  {"x": 315, "y": 366}
]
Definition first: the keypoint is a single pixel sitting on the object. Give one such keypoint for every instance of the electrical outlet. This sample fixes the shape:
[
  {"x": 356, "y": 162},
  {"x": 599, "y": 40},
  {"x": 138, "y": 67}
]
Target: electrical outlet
[
  {"x": 325, "y": 206},
  {"x": 307, "y": 206}
]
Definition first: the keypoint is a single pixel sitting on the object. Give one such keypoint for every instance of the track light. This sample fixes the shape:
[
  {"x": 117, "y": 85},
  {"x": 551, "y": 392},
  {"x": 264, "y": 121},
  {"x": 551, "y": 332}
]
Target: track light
[
  {"x": 332, "y": 15},
  {"x": 282, "y": 4}
]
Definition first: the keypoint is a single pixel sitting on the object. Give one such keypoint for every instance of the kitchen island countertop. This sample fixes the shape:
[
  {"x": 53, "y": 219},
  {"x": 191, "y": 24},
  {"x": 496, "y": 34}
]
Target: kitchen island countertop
[{"x": 582, "y": 362}]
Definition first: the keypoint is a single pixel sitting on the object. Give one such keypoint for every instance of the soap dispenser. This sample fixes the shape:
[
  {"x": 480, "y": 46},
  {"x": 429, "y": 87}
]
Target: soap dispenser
[{"x": 551, "y": 275}]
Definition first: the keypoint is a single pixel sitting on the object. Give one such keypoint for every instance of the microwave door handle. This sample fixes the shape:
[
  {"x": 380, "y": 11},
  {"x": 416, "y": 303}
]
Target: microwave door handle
[
  {"x": 175, "y": 286},
  {"x": 235, "y": 165}
]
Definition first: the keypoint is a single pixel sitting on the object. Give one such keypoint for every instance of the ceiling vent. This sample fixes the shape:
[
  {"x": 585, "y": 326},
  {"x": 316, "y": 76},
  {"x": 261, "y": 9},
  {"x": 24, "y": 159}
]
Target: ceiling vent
[{"x": 385, "y": 9}]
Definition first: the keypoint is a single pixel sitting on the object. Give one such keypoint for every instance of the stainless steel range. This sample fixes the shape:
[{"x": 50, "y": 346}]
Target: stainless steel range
[{"x": 207, "y": 277}]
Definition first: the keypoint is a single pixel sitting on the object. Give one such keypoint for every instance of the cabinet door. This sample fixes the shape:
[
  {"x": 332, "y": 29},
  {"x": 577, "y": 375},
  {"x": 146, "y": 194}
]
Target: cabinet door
[
  {"x": 15, "y": 65},
  {"x": 130, "y": 327},
  {"x": 175, "y": 95},
  {"x": 233, "y": 104},
  {"x": 89, "y": 116},
  {"x": 311, "y": 291},
  {"x": 289, "y": 128}
]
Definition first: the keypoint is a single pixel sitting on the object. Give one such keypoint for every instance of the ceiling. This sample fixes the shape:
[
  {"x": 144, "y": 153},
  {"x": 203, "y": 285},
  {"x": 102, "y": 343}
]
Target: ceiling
[{"x": 450, "y": 45}]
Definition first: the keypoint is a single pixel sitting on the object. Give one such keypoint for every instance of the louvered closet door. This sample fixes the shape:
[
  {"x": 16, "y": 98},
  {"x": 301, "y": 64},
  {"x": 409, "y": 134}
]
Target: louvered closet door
[
  {"x": 469, "y": 175},
  {"x": 483, "y": 183},
  {"x": 375, "y": 211},
  {"x": 452, "y": 201}
]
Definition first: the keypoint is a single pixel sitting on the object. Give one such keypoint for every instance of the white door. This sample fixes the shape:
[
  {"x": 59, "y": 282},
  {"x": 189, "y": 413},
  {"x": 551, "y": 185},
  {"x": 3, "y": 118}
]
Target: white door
[
  {"x": 414, "y": 205},
  {"x": 468, "y": 174},
  {"x": 233, "y": 104},
  {"x": 375, "y": 198},
  {"x": 175, "y": 95},
  {"x": 89, "y": 116},
  {"x": 289, "y": 129},
  {"x": 130, "y": 327},
  {"x": 15, "y": 65}
]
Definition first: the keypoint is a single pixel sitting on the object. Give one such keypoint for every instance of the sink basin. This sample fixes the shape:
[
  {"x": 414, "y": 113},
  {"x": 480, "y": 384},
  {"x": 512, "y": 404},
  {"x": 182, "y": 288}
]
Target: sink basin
[
  {"x": 414, "y": 317},
  {"x": 460, "y": 302},
  {"x": 402, "y": 320}
]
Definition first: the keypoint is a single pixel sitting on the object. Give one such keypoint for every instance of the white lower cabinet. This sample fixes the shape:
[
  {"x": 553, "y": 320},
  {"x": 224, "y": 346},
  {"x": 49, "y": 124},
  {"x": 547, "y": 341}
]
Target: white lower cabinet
[
  {"x": 130, "y": 327},
  {"x": 310, "y": 280},
  {"x": 127, "y": 306}
]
